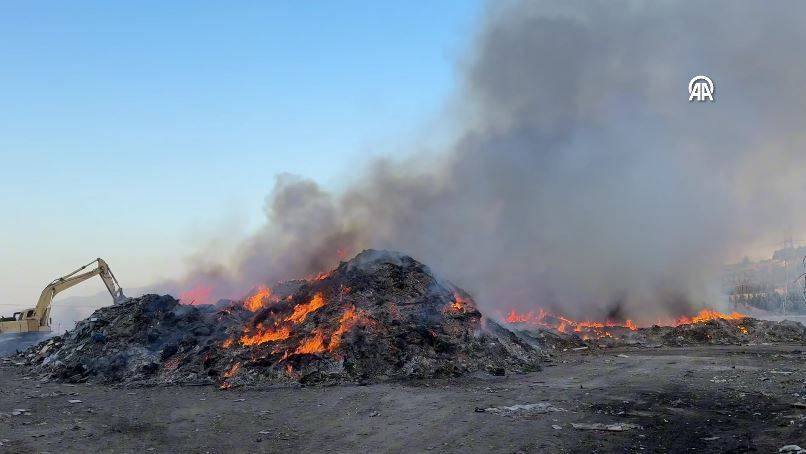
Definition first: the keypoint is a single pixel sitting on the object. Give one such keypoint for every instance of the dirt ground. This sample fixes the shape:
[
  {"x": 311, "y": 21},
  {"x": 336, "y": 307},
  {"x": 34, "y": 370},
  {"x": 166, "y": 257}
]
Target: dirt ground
[{"x": 708, "y": 399}]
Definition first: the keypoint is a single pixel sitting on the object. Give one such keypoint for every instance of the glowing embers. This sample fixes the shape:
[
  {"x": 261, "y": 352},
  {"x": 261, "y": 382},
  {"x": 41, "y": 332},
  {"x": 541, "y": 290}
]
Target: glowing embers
[{"x": 232, "y": 370}]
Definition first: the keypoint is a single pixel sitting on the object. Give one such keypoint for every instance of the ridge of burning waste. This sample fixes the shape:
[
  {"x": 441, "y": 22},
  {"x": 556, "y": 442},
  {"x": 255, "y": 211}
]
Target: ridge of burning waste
[
  {"x": 379, "y": 316},
  {"x": 592, "y": 329},
  {"x": 706, "y": 327}
]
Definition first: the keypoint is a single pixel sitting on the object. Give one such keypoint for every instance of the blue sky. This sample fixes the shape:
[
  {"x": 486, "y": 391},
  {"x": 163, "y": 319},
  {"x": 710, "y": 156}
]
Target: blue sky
[{"x": 136, "y": 131}]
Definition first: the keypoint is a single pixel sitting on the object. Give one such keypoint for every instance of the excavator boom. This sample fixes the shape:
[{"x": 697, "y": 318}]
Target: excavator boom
[{"x": 38, "y": 318}]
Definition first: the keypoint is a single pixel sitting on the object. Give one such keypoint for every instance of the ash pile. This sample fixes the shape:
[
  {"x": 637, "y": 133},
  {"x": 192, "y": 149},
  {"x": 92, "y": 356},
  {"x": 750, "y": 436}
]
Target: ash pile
[{"x": 380, "y": 316}]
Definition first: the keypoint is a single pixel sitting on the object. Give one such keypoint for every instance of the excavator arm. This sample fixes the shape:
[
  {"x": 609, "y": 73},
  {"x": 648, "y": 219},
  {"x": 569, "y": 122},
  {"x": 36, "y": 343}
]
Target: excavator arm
[{"x": 42, "y": 310}]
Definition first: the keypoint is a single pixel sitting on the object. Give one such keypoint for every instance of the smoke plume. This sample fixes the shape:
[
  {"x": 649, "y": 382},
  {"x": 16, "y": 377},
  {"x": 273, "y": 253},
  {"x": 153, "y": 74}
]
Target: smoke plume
[{"x": 583, "y": 179}]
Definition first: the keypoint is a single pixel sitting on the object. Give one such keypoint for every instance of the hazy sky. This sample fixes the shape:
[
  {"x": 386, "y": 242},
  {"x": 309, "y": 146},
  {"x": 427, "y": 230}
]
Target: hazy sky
[{"x": 136, "y": 131}]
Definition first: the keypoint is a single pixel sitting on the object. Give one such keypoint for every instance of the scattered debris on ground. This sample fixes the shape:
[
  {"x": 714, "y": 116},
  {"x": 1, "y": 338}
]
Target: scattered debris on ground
[
  {"x": 669, "y": 392},
  {"x": 538, "y": 408},
  {"x": 612, "y": 427}
]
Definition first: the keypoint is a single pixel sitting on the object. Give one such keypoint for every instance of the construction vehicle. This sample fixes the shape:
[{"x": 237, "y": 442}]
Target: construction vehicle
[{"x": 37, "y": 319}]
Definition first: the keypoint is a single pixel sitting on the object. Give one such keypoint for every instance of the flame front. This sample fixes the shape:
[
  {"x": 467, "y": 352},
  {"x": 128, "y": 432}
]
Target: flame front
[
  {"x": 565, "y": 324},
  {"x": 707, "y": 315},
  {"x": 259, "y": 299},
  {"x": 301, "y": 311},
  {"x": 315, "y": 344},
  {"x": 277, "y": 331},
  {"x": 600, "y": 329},
  {"x": 266, "y": 334},
  {"x": 348, "y": 319}
]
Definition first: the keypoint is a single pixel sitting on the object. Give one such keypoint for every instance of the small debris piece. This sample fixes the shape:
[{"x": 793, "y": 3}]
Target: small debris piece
[
  {"x": 790, "y": 448},
  {"x": 74, "y": 401},
  {"x": 710, "y": 438},
  {"x": 264, "y": 432},
  {"x": 556, "y": 427},
  {"x": 617, "y": 427},
  {"x": 799, "y": 404},
  {"x": 622, "y": 355},
  {"x": 524, "y": 409}
]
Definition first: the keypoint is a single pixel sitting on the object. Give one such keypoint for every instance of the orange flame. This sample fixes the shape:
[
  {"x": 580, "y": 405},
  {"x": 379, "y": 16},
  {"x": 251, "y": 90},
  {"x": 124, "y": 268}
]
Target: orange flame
[
  {"x": 301, "y": 311},
  {"x": 265, "y": 334},
  {"x": 459, "y": 304},
  {"x": 315, "y": 344},
  {"x": 707, "y": 315},
  {"x": 348, "y": 319},
  {"x": 257, "y": 301},
  {"x": 319, "y": 276},
  {"x": 565, "y": 324}
]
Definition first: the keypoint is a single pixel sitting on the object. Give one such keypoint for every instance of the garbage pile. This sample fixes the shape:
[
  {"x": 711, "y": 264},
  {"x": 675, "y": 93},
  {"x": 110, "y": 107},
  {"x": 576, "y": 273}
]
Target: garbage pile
[
  {"x": 380, "y": 316},
  {"x": 741, "y": 331}
]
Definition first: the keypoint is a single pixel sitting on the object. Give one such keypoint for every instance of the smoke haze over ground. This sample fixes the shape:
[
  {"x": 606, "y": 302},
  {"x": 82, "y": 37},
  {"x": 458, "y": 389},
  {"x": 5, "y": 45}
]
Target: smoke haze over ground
[{"x": 583, "y": 180}]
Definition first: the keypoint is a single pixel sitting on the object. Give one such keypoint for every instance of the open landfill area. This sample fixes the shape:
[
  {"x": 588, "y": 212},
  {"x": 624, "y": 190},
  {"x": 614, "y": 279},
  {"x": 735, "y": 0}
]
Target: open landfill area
[
  {"x": 465, "y": 226},
  {"x": 379, "y": 355},
  {"x": 702, "y": 399}
]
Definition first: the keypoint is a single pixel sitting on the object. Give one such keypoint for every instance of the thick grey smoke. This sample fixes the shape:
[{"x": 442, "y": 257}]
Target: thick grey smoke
[{"x": 584, "y": 180}]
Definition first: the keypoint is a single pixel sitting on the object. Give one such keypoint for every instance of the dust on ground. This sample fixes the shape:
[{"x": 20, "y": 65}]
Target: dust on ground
[{"x": 712, "y": 399}]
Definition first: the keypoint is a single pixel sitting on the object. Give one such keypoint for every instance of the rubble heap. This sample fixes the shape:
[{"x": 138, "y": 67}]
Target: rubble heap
[
  {"x": 138, "y": 341},
  {"x": 379, "y": 316}
]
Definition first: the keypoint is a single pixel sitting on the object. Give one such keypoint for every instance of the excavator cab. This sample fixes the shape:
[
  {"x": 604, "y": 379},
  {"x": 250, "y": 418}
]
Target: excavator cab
[{"x": 24, "y": 315}]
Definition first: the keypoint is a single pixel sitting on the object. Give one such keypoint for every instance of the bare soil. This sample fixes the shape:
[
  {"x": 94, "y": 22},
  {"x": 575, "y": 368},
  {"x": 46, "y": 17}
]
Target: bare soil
[{"x": 706, "y": 399}]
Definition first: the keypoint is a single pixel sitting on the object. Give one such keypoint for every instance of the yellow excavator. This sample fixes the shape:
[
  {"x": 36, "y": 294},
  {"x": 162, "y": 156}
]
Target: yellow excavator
[{"x": 37, "y": 319}]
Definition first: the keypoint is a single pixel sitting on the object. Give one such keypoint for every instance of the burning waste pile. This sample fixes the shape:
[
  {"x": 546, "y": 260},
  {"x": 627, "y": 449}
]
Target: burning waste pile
[
  {"x": 380, "y": 316},
  {"x": 708, "y": 327}
]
